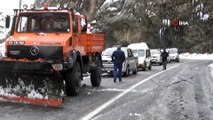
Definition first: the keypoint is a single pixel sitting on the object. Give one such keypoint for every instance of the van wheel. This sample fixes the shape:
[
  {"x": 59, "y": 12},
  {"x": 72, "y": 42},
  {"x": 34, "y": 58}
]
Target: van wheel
[
  {"x": 135, "y": 71},
  {"x": 144, "y": 68},
  {"x": 126, "y": 74},
  {"x": 73, "y": 80},
  {"x": 177, "y": 60},
  {"x": 150, "y": 67}
]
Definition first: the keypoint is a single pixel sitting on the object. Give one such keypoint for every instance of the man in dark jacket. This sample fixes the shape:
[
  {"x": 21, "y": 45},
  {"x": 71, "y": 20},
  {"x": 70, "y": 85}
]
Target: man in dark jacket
[
  {"x": 164, "y": 56},
  {"x": 118, "y": 58}
]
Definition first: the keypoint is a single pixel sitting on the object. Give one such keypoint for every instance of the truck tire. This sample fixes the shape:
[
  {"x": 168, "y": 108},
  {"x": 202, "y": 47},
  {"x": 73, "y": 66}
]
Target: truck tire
[
  {"x": 95, "y": 77},
  {"x": 73, "y": 80}
]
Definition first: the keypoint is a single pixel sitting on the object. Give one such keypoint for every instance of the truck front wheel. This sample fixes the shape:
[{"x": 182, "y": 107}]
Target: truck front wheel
[{"x": 73, "y": 80}]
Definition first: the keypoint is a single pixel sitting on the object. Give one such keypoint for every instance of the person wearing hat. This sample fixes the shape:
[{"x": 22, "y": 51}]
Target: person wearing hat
[{"x": 118, "y": 58}]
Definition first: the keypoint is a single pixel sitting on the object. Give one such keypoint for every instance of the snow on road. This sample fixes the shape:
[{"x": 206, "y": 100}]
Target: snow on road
[{"x": 198, "y": 56}]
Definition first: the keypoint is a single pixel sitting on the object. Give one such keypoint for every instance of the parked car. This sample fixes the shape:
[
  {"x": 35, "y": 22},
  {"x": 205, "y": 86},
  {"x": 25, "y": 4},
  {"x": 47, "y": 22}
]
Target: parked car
[
  {"x": 129, "y": 65},
  {"x": 174, "y": 54},
  {"x": 143, "y": 53},
  {"x": 156, "y": 56}
]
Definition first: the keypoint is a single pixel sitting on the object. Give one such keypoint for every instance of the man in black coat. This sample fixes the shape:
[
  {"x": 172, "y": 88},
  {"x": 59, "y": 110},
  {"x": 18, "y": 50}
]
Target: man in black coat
[
  {"x": 164, "y": 56},
  {"x": 118, "y": 58}
]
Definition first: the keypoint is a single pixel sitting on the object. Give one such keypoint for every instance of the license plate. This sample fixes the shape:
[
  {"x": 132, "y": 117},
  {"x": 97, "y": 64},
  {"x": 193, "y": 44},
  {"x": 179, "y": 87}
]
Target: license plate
[{"x": 108, "y": 69}]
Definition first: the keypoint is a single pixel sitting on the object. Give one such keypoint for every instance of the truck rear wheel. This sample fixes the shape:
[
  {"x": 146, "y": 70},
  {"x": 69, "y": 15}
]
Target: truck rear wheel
[
  {"x": 73, "y": 80},
  {"x": 95, "y": 77}
]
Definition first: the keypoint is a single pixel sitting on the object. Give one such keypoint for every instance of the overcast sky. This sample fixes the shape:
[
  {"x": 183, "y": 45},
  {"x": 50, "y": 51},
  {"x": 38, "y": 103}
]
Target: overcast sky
[{"x": 8, "y": 5}]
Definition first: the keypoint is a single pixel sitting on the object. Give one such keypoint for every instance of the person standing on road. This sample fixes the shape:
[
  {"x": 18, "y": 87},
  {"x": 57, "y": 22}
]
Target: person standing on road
[
  {"x": 118, "y": 58},
  {"x": 164, "y": 56}
]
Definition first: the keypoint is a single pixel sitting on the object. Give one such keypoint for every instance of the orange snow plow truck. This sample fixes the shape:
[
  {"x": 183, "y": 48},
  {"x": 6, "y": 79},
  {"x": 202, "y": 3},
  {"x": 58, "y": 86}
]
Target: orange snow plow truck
[{"x": 46, "y": 56}]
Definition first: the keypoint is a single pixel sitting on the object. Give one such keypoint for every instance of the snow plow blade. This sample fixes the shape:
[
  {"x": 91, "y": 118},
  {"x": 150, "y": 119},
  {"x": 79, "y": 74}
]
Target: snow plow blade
[{"x": 30, "y": 86}]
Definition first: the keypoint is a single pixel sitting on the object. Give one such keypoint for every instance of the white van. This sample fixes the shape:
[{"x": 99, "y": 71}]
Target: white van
[{"x": 143, "y": 53}]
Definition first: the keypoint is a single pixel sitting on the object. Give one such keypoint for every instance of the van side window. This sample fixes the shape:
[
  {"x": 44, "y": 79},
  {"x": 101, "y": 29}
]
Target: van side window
[
  {"x": 129, "y": 53},
  {"x": 148, "y": 54}
]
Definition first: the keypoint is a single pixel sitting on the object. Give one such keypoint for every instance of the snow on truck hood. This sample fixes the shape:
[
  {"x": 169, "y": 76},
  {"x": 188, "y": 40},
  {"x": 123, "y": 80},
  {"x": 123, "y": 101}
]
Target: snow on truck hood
[{"x": 49, "y": 39}]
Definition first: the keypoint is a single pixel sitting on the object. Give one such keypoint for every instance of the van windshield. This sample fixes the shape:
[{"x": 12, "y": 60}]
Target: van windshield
[
  {"x": 153, "y": 52},
  {"x": 172, "y": 51},
  {"x": 140, "y": 53},
  {"x": 108, "y": 52}
]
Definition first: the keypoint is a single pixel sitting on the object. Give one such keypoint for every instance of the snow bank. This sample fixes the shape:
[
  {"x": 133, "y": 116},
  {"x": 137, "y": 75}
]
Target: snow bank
[
  {"x": 211, "y": 69},
  {"x": 196, "y": 56},
  {"x": 2, "y": 49}
]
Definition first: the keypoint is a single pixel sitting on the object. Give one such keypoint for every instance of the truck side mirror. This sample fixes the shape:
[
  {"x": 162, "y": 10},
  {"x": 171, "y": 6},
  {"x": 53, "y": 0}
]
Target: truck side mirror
[
  {"x": 84, "y": 28},
  {"x": 7, "y": 24},
  {"x": 13, "y": 25},
  {"x": 75, "y": 25},
  {"x": 83, "y": 25}
]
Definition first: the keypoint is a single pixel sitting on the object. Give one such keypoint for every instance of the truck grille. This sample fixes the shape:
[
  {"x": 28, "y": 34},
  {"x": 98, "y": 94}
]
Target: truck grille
[{"x": 35, "y": 52}]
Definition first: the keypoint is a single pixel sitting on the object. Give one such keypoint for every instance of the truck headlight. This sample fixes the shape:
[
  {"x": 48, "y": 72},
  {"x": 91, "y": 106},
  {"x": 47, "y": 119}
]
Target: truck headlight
[{"x": 57, "y": 67}]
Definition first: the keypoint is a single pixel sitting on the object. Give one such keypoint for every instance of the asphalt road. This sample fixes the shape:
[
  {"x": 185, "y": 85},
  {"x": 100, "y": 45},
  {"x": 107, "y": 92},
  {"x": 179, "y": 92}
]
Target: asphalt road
[{"x": 182, "y": 92}]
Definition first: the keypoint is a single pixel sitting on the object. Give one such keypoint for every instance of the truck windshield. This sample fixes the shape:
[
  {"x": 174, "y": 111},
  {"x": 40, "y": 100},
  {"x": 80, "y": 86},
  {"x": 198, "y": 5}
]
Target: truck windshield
[{"x": 43, "y": 22}]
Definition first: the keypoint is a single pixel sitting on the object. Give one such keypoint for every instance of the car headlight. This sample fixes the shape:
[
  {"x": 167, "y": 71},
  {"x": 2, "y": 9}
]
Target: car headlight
[{"x": 57, "y": 67}]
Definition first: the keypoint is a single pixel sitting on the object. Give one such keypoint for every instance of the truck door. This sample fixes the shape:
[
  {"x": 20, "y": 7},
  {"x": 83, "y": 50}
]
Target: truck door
[{"x": 79, "y": 30}]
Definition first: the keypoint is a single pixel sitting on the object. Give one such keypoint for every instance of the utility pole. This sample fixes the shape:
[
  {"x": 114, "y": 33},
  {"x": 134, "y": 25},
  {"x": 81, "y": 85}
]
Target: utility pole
[{"x": 20, "y": 4}]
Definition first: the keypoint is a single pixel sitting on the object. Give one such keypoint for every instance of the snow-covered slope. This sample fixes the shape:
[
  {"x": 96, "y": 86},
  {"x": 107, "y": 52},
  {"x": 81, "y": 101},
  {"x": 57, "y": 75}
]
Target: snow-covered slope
[
  {"x": 2, "y": 49},
  {"x": 196, "y": 56}
]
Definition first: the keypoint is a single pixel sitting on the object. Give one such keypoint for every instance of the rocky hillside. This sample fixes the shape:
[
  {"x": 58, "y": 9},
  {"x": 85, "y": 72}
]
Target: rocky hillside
[{"x": 127, "y": 21}]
